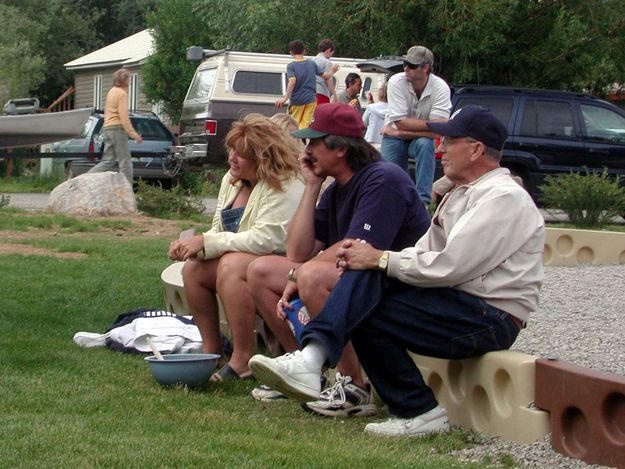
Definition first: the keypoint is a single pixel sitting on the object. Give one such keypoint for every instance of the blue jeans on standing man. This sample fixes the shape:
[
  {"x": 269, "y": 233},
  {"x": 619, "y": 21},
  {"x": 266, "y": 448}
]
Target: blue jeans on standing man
[
  {"x": 397, "y": 150},
  {"x": 384, "y": 318}
]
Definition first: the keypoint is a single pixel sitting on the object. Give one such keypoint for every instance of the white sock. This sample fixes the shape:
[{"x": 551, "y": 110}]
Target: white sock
[{"x": 314, "y": 354}]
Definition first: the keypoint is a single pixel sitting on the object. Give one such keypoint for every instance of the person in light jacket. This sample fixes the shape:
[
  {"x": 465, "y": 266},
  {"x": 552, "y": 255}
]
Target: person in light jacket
[{"x": 257, "y": 199}]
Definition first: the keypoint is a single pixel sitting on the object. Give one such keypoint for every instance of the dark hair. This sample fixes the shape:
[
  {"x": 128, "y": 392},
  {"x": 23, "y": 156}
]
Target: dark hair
[
  {"x": 326, "y": 44},
  {"x": 351, "y": 78},
  {"x": 296, "y": 46},
  {"x": 360, "y": 153}
]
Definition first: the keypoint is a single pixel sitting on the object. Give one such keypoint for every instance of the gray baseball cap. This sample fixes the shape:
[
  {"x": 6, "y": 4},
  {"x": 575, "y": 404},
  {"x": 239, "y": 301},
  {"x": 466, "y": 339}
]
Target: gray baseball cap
[{"x": 418, "y": 55}]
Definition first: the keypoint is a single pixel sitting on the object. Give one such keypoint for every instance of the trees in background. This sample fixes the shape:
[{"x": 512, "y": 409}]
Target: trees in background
[
  {"x": 567, "y": 45},
  {"x": 37, "y": 37}
]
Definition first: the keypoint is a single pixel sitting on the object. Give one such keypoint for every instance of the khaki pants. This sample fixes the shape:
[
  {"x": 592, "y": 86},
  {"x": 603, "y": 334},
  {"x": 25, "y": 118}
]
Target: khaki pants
[{"x": 115, "y": 150}]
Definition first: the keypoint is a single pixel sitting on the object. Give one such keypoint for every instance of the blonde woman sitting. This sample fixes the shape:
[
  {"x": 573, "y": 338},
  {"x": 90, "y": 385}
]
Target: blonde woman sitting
[{"x": 257, "y": 199}]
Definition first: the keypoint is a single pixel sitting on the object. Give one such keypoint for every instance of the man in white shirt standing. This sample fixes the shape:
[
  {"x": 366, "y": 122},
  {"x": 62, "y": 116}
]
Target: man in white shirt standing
[{"x": 415, "y": 96}]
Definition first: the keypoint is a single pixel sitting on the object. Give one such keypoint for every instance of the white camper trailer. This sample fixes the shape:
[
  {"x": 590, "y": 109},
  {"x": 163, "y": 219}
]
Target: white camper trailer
[{"x": 227, "y": 85}]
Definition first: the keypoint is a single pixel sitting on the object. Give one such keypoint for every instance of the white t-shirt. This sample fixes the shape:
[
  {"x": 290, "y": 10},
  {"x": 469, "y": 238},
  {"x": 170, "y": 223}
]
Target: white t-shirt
[
  {"x": 326, "y": 66},
  {"x": 435, "y": 101},
  {"x": 374, "y": 120}
]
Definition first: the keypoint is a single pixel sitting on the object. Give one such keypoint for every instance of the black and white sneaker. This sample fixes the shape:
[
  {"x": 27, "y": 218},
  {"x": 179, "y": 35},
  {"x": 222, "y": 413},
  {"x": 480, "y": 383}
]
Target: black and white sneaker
[{"x": 343, "y": 399}]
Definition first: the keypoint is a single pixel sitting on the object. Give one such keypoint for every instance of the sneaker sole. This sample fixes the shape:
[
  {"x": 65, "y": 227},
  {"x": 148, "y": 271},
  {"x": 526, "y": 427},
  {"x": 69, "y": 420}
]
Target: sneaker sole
[
  {"x": 270, "y": 398},
  {"x": 276, "y": 381},
  {"x": 366, "y": 410},
  {"x": 435, "y": 426}
]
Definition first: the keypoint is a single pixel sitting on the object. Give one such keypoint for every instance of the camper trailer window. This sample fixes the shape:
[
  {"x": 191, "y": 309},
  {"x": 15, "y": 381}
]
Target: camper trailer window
[
  {"x": 258, "y": 82},
  {"x": 202, "y": 84}
]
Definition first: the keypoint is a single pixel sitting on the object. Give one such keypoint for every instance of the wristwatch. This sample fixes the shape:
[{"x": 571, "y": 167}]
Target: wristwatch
[
  {"x": 383, "y": 261},
  {"x": 291, "y": 276}
]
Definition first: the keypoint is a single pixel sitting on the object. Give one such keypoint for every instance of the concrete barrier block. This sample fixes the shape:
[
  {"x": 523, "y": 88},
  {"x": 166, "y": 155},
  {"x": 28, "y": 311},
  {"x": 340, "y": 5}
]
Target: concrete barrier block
[
  {"x": 176, "y": 302},
  {"x": 491, "y": 394},
  {"x": 565, "y": 247},
  {"x": 587, "y": 411}
]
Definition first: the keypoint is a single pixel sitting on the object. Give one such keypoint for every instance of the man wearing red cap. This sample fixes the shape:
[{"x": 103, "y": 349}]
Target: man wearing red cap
[
  {"x": 466, "y": 288},
  {"x": 371, "y": 200}
]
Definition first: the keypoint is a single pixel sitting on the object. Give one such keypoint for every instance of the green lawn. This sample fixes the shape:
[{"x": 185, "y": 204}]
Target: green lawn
[{"x": 65, "y": 406}]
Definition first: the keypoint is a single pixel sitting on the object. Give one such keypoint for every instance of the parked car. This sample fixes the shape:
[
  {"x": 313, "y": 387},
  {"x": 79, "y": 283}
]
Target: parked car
[
  {"x": 552, "y": 132},
  {"x": 149, "y": 158}
]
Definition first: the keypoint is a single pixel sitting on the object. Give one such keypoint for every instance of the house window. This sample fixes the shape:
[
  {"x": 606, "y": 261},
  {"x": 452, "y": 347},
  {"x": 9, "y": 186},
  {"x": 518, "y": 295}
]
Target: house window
[
  {"x": 132, "y": 92},
  {"x": 97, "y": 91}
]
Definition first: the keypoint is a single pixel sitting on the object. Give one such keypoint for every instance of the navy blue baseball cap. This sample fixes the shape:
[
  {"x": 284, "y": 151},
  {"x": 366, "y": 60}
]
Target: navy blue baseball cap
[{"x": 476, "y": 122}]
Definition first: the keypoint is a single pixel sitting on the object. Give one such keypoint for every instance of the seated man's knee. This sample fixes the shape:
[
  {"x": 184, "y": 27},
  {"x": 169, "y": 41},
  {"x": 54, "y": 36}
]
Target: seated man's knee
[{"x": 315, "y": 278}]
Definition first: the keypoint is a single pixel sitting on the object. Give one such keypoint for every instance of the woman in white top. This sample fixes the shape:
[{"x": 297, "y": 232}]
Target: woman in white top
[{"x": 257, "y": 198}]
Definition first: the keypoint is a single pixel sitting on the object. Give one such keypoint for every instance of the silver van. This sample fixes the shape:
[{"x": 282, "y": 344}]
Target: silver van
[{"x": 227, "y": 85}]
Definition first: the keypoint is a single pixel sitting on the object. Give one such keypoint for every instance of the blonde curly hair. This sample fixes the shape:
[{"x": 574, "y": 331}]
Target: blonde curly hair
[{"x": 271, "y": 149}]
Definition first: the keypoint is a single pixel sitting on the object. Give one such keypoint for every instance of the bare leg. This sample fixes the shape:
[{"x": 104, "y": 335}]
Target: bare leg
[
  {"x": 266, "y": 279},
  {"x": 240, "y": 309},
  {"x": 315, "y": 281},
  {"x": 200, "y": 279}
]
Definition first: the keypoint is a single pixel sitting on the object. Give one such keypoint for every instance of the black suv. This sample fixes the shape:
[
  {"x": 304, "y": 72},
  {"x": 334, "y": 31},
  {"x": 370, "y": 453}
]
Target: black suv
[{"x": 552, "y": 132}]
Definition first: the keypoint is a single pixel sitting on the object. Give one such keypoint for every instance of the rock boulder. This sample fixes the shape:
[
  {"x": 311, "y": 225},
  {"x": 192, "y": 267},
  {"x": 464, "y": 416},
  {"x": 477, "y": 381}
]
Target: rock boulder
[{"x": 96, "y": 194}]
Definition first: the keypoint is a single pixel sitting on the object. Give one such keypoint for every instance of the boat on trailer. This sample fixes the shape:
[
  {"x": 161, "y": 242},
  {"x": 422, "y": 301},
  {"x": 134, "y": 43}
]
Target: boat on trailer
[{"x": 34, "y": 129}]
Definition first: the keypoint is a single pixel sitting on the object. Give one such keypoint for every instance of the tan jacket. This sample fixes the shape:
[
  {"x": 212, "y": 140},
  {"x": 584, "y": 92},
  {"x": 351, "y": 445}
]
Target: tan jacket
[
  {"x": 264, "y": 222},
  {"x": 116, "y": 111},
  {"x": 486, "y": 239}
]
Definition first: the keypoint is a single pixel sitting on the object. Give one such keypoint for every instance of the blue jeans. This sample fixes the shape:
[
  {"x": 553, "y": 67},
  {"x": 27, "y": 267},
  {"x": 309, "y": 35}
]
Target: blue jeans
[
  {"x": 397, "y": 150},
  {"x": 385, "y": 318}
]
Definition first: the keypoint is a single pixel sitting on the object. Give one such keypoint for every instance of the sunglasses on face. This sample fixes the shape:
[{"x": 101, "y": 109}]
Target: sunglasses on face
[{"x": 412, "y": 66}]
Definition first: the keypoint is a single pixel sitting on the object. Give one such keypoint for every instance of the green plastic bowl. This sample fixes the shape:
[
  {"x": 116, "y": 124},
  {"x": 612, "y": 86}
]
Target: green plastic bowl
[{"x": 190, "y": 369}]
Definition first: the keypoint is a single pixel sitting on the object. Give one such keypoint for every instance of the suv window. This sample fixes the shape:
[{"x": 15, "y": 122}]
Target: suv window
[
  {"x": 547, "y": 119},
  {"x": 202, "y": 84},
  {"x": 150, "y": 129},
  {"x": 257, "y": 82},
  {"x": 603, "y": 124},
  {"x": 502, "y": 108}
]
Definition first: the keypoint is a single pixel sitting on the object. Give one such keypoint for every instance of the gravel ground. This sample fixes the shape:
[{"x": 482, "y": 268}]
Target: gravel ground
[{"x": 580, "y": 320}]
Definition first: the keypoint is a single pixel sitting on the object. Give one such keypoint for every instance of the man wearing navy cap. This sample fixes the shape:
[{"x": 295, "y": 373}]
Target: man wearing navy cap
[
  {"x": 370, "y": 200},
  {"x": 466, "y": 288}
]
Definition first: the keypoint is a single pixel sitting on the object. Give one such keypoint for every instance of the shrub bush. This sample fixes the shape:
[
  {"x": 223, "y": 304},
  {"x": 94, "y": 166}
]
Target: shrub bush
[
  {"x": 175, "y": 203},
  {"x": 205, "y": 183},
  {"x": 4, "y": 200},
  {"x": 589, "y": 200}
]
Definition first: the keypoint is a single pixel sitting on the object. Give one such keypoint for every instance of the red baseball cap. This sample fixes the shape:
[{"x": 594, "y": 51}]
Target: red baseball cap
[{"x": 333, "y": 119}]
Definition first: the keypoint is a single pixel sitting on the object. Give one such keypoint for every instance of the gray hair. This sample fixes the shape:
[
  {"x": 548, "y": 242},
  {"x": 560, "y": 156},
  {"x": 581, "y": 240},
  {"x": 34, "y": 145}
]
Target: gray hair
[{"x": 121, "y": 77}]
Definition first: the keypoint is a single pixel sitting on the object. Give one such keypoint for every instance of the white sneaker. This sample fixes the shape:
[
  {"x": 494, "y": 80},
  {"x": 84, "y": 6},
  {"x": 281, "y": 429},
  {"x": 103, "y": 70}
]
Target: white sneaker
[
  {"x": 433, "y": 421},
  {"x": 90, "y": 339},
  {"x": 343, "y": 399},
  {"x": 266, "y": 394},
  {"x": 289, "y": 374}
]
